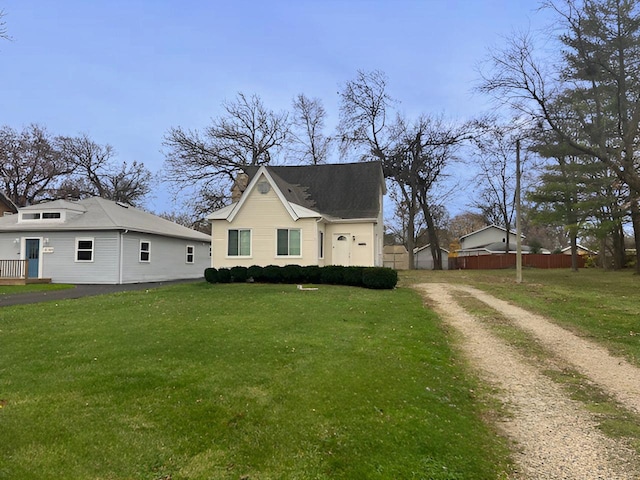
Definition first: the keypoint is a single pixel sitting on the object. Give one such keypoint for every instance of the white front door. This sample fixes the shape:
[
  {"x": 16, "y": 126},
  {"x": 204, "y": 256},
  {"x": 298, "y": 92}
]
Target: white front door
[{"x": 341, "y": 249}]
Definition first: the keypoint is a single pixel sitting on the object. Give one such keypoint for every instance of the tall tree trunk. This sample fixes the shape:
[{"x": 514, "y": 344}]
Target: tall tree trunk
[
  {"x": 434, "y": 243},
  {"x": 573, "y": 234},
  {"x": 635, "y": 220}
]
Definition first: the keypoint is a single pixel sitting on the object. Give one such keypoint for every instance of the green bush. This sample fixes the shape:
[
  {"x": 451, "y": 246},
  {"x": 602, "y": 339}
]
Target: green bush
[
  {"x": 271, "y": 274},
  {"x": 239, "y": 274},
  {"x": 256, "y": 272},
  {"x": 291, "y": 274},
  {"x": 211, "y": 275},
  {"x": 332, "y": 275},
  {"x": 352, "y": 276},
  {"x": 311, "y": 274},
  {"x": 379, "y": 278},
  {"x": 369, "y": 277},
  {"x": 224, "y": 275}
]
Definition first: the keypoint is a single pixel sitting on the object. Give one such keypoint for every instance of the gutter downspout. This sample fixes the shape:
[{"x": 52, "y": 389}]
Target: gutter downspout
[{"x": 121, "y": 266}]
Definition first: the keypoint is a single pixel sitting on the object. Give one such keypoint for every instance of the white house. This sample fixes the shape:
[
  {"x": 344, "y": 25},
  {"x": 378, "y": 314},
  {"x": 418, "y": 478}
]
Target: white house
[
  {"x": 99, "y": 241},
  {"x": 423, "y": 258},
  {"x": 487, "y": 241},
  {"x": 305, "y": 215}
]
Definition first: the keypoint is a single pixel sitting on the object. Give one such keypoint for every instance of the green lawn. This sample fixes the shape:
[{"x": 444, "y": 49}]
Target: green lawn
[
  {"x": 601, "y": 305},
  {"x": 239, "y": 381}
]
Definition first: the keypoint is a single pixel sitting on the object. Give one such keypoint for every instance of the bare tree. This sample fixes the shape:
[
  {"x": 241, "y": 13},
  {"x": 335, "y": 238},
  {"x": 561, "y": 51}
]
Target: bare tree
[
  {"x": 423, "y": 150},
  {"x": 247, "y": 134},
  {"x": 95, "y": 173},
  {"x": 414, "y": 155},
  {"x": 495, "y": 157},
  {"x": 3, "y": 27},
  {"x": 309, "y": 144},
  {"x": 32, "y": 165},
  {"x": 594, "y": 85}
]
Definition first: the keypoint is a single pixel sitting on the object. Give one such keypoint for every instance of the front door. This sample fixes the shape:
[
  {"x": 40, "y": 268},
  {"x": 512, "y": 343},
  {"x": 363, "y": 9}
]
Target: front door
[
  {"x": 32, "y": 247},
  {"x": 341, "y": 249}
]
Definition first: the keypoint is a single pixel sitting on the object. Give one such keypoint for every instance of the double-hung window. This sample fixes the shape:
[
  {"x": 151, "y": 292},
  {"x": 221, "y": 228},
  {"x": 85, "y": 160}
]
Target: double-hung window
[
  {"x": 190, "y": 253},
  {"x": 288, "y": 242},
  {"x": 145, "y": 251},
  {"x": 84, "y": 249},
  {"x": 239, "y": 243}
]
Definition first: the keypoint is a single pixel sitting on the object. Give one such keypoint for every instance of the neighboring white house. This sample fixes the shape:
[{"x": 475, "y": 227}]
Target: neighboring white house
[
  {"x": 305, "y": 215},
  {"x": 423, "y": 258},
  {"x": 581, "y": 250},
  {"x": 488, "y": 241},
  {"x": 100, "y": 241}
]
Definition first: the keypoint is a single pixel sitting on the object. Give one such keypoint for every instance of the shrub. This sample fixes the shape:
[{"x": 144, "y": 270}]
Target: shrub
[
  {"x": 224, "y": 275},
  {"x": 239, "y": 274},
  {"x": 256, "y": 272},
  {"x": 352, "y": 276},
  {"x": 271, "y": 274},
  {"x": 379, "y": 278},
  {"x": 311, "y": 274},
  {"x": 211, "y": 275},
  {"x": 332, "y": 274},
  {"x": 291, "y": 274}
]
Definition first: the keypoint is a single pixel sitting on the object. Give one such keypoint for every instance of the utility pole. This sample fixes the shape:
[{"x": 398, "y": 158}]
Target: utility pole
[{"x": 518, "y": 226}]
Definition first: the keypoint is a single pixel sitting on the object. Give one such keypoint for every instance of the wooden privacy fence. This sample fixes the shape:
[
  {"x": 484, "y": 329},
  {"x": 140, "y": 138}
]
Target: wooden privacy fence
[
  {"x": 14, "y": 268},
  {"x": 508, "y": 260}
]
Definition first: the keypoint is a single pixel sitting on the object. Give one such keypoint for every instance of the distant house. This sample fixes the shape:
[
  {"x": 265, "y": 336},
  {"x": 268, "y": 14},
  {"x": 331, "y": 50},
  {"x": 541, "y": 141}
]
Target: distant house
[
  {"x": 100, "y": 241},
  {"x": 489, "y": 240},
  {"x": 581, "y": 250},
  {"x": 423, "y": 258},
  {"x": 7, "y": 207},
  {"x": 306, "y": 215}
]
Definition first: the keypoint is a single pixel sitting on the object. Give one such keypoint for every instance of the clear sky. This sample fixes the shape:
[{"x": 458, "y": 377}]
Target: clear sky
[{"x": 125, "y": 71}]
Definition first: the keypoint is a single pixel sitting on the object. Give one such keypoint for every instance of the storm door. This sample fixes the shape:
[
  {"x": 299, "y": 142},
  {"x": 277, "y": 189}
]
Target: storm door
[{"x": 32, "y": 247}]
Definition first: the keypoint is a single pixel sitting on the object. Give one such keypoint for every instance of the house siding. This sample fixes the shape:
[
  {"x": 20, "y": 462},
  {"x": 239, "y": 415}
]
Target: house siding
[
  {"x": 263, "y": 214},
  {"x": 485, "y": 237},
  {"x": 167, "y": 258},
  {"x": 59, "y": 265},
  {"x": 361, "y": 237}
]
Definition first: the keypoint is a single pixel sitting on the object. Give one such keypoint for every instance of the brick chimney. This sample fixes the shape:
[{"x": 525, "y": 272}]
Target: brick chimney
[{"x": 239, "y": 186}]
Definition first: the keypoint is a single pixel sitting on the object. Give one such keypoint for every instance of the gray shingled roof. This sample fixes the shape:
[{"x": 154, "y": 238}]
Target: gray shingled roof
[
  {"x": 99, "y": 214},
  {"x": 344, "y": 190}
]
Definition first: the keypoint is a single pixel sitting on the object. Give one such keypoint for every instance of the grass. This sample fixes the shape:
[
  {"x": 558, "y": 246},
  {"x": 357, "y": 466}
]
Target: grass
[
  {"x": 601, "y": 305},
  {"x": 239, "y": 381}
]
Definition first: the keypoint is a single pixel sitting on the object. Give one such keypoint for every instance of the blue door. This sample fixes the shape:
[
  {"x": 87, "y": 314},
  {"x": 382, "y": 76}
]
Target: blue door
[{"x": 32, "y": 246}]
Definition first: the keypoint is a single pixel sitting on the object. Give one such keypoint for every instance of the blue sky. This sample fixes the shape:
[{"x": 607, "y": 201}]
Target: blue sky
[{"x": 125, "y": 71}]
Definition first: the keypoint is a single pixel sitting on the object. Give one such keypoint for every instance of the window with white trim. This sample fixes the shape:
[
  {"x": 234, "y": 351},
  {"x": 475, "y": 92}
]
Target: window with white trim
[
  {"x": 321, "y": 245},
  {"x": 288, "y": 242},
  {"x": 145, "y": 251},
  {"x": 239, "y": 243},
  {"x": 190, "y": 253},
  {"x": 84, "y": 249}
]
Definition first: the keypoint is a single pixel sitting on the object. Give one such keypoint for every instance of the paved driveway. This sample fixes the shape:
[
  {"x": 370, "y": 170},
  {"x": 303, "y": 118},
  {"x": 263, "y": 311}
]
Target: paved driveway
[{"x": 79, "y": 291}]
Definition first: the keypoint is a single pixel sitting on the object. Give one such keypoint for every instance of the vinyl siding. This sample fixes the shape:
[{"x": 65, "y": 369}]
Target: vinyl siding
[
  {"x": 263, "y": 214},
  {"x": 362, "y": 239},
  {"x": 167, "y": 259}
]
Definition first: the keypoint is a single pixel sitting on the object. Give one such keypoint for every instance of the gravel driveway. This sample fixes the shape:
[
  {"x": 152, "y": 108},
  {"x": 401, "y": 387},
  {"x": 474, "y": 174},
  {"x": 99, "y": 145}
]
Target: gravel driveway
[{"x": 554, "y": 436}]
